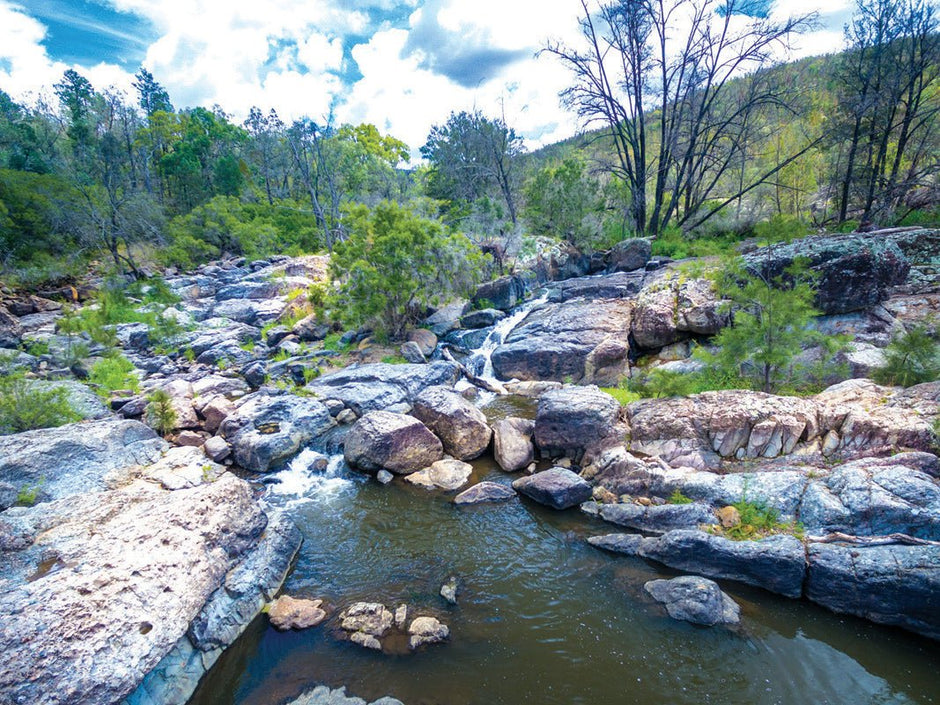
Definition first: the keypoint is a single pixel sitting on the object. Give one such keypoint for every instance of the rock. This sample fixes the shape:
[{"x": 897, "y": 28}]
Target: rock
[
  {"x": 460, "y": 425},
  {"x": 309, "y": 329},
  {"x": 512, "y": 443},
  {"x": 369, "y": 619},
  {"x": 119, "y": 553},
  {"x": 181, "y": 399},
  {"x": 557, "y": 487},
  {"x": 190, "y": 438},
  {"x": 322, "y": 695},
  {"x": 275, "y": 335},
  {"x": 442, "y": 475},
  {"x": 215, "y": 412},
  {"x": 729, "y": 516},
  {"x": 628, "y": 544},
  {"x": 401, "y": 616},
  {"x": 394, "y": 442},
  {"x": 412, "y": 353},
  {"x": 291, "y": 613},
  {"x": 855, "y": 270},
  {"x": 425, "y": 340},
  {"x": 76, "y": 458},
  {"x": 693, "y": 599},
  {"x": 217, "y": 449},
  {"x": 628, "y": 255},
  {"x": 581, "y": 340},
  {"x": 658, "y": 519},
  {"x": 426, "y": 630},
  {"x": 382, "y": 387},
  {"x": 485, "y": 492},
  {"x": 504, "y": 293},
  {"x": 446, "y": 319},
  {"x": 220, "y": 332},
  {"x": 384, "y": 476},
  {"x": 267, "y": 428},
  {"x": 365, "y": 640},
  {"x": 602, "y": 495},
  {"x": 449, "y": 590},
  {"x": 862, "y": 359},
  {"x": 255, "y": 373},
  {"x": 213, "y": 386},
  {"x": 611, "y": 286},
  {"x": 892, "y": 584},
  {"x": 483, "y": 318},
  {"x": 569, "y": 420},
  {"x": 79, "y": 397},
  {"x": 776, "y": 563}
]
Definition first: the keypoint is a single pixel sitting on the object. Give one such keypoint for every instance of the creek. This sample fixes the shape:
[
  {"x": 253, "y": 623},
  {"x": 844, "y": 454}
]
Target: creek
[{"x": 542, "y": 617}]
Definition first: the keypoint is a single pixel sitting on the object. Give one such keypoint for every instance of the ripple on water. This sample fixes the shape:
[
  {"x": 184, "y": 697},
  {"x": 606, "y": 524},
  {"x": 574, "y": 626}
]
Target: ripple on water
[{"x": 301, "y": 482}]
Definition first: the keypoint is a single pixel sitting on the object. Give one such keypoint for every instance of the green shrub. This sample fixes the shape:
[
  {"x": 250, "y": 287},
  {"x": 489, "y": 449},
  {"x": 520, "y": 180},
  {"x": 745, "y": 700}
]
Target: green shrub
[
  {"x": 911, "y": 358},
  {"x": 678, "y": 498},
  {"x": 27, "y": 495},
  {"x": 160, "y": 413},
  {"x": 622, "y": 394},
  {"x": 672, "y": 242},
  {"x": 24, "y": 407},
  {"x": 112, "y": 373},
  {"x": 780, "y": 228}
]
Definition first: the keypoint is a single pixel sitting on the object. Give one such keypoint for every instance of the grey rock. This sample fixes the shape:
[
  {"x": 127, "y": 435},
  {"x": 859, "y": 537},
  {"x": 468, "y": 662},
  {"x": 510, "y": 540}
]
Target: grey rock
[
  {"x": 394, "y": 442},
  {"x": 893, "y": 584},
  {"x": 582, "y": 341},
  {"x": 449, "y": 590},
  {"x": 426, "y": 630},
  {"x": 658, "y": 519},
  {"x": 446, "y": 319},
  {"x": 249, "y": 290},
  {"x": 460, "y": 425},
  {"x": 485, "y": 492},
  {"x": 11, "y": 330},
  {"x": 693, "y": 599},
  {"x": 80, "y": 397},
  {"x": 557, "y": 487},
  {"x": 370, "y": 618},
  {"x": 412, "y": 353},
  {"x": 384, "y": 476},
  {"x": 610, "y": 286},
  {"x": 288, "y": 612},
  {"x": 627, "y": 544},
  {"x": 426, "y": 340},
  {"x": 76, "y": 458},
  {"x": 512, "y": 443},
  {"x": 217, "y": 449},
  {"x": 629, "y": 255},
  {"x": 484, "y": 318},
  {"x": 444, "y": 474},
  {"x": 267, "y": 429},
  {"x": 504, "y": 293},
  {"x": 569, "y": 420},
  {"x": 382, "y": 387}
]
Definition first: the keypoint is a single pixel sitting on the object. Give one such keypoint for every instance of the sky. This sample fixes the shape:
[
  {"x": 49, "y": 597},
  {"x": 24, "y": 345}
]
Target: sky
[{"x": 402, "y": 65}]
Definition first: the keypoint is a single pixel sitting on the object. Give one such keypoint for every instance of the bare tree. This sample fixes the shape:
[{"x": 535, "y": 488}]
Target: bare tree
[{"x": 656, "y": 76}]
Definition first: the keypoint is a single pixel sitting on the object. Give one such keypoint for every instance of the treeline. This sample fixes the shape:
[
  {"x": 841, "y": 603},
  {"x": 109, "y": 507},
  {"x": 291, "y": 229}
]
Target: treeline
[{"x": 680, "y": 146}]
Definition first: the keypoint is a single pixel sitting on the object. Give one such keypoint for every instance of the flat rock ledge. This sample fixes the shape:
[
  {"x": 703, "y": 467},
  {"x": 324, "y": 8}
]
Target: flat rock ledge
[{"x": 893, "y": 584}]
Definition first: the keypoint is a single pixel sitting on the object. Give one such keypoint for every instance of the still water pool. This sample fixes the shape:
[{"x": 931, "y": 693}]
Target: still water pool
[{"x": 542, "y": 617}]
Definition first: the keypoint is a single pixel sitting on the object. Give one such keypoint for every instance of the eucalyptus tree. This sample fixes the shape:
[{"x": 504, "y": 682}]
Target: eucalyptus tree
[{"x": 657, "y": 77}]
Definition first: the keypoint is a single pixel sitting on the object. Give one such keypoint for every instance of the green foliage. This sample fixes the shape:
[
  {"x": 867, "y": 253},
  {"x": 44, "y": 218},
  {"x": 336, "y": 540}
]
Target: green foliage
[
  {"x": 672, "y": 242},
  {"x": 621, "y": 394},
  {"x": 27, "y": 495},
  {"x": 394, "y": 360},
  {"x": 657, "y": 383},
  {"x": 780, "y": 228},
  {"x": 911, "y": 358},
  {"x": 678, "y": 498},
  {"x": 563, "y": 201},
  {"x": 332, "y": 342},
  {"x": 395, "y": 263},
  {"x": 771, "y": 325},
  {"x": 160, "y": 413},
  {"x": 24, "y": 406},
  {"x": 112, "y": 373},
  {"x": 757, "y": 520}
]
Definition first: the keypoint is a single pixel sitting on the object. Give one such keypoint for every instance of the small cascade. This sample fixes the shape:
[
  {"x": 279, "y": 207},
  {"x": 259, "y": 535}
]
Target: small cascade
[
  {"x": 305, "y": 479},
  {"x": 481, "y": 358}
]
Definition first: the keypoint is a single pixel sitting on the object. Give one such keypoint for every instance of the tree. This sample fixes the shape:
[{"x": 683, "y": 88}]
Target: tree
[
  {"x": 151, "y": 96},
  {"x": 563, "y": 200},
  {"x": 395, "y": 263},
  {"x": 771, "y": 324},
  {"x": 471, "y": 154},
  {"x": 664, "y": 99},
  {"x": 889, "y": 104}
]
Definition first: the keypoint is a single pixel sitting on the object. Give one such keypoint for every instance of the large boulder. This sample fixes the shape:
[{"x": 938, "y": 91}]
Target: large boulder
[
  {"x": 893, "y": 584},
  {"x": 855, "y": 270},
  {"x": 571, "y": 419},
  {"x": 383, "y": 387},
  {"x": 513, "y": 448},
  {"x": 382, "y": 440},
  {"x": 460, "y": 425},
  {"x": 558, "y": 488},
  {"x": 504, "y": 293},
  {"x": 628, "y": 255},
  {"x": 133, "y": 593},
  {"x": 580, "y": 341},
  {"x": 776, "y": 563},
  {"x": 670, "y": 308},
  {"x": 76, "y": 458},
  {"x": 611, "y": 286},
  {"x": 268, "y": 428},
  {"x": 693, "y": 599}
]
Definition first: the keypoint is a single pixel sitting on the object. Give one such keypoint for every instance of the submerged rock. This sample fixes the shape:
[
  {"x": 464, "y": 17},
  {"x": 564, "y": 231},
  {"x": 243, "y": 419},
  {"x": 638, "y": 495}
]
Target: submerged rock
[
  {"x": 288, "y": 612},
  {"x": 693, "y": 599},
  {"x": 367, "y": 622},
  {"x": 485, "y": 492},
  {"x": 449, "y": 590},
  {"x": 558, "y": 488},
  {"x": 394, "y": 442},
  {"x": 426, "y": 630},
  {"x": 442, "y": 475}
]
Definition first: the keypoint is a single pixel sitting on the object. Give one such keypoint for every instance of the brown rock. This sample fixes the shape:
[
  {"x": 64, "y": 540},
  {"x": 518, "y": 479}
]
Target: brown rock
[
  {"x": 512, "y": 443},
  {"x": 461, "y": 426},
  {"x": 729, "y": 516},
  {"x": 395, "y": 442},
  {"x": 287, "y": 612}
]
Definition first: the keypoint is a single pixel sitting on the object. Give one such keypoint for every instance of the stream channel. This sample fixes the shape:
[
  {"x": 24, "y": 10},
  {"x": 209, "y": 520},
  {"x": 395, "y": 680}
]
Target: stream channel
[{"x": 542, "y": 617}]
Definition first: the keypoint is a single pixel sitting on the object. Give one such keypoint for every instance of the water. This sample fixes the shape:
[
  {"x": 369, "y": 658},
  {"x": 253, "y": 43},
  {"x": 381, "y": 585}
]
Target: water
[{"x": 542, "y": 616}]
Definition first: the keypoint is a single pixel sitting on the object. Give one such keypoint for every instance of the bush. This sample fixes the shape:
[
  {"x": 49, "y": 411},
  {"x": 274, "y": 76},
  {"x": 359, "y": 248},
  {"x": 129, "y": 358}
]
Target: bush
[
  {"x": 160, "y": 413},
  {"x": 780, "y": 228},
  {"x": 395, "y": 264},
  {"x": 24, "y": 407},
  {"x": 112, "y": 373},
  {"x": 911, "y": 358},
  {"x": 672, "y": 242}
]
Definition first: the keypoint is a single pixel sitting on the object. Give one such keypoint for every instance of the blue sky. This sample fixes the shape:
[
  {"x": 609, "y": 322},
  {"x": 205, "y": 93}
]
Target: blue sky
[{"x": 400, "y": 64}]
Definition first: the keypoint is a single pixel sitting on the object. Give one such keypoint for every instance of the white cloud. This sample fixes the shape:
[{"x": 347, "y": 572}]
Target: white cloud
[{"x": 24, "y": 65}]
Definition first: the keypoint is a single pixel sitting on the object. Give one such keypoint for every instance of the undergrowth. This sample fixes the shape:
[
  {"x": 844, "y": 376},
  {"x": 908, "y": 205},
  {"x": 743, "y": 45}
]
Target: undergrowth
[{"x": 24, "y": 406}]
